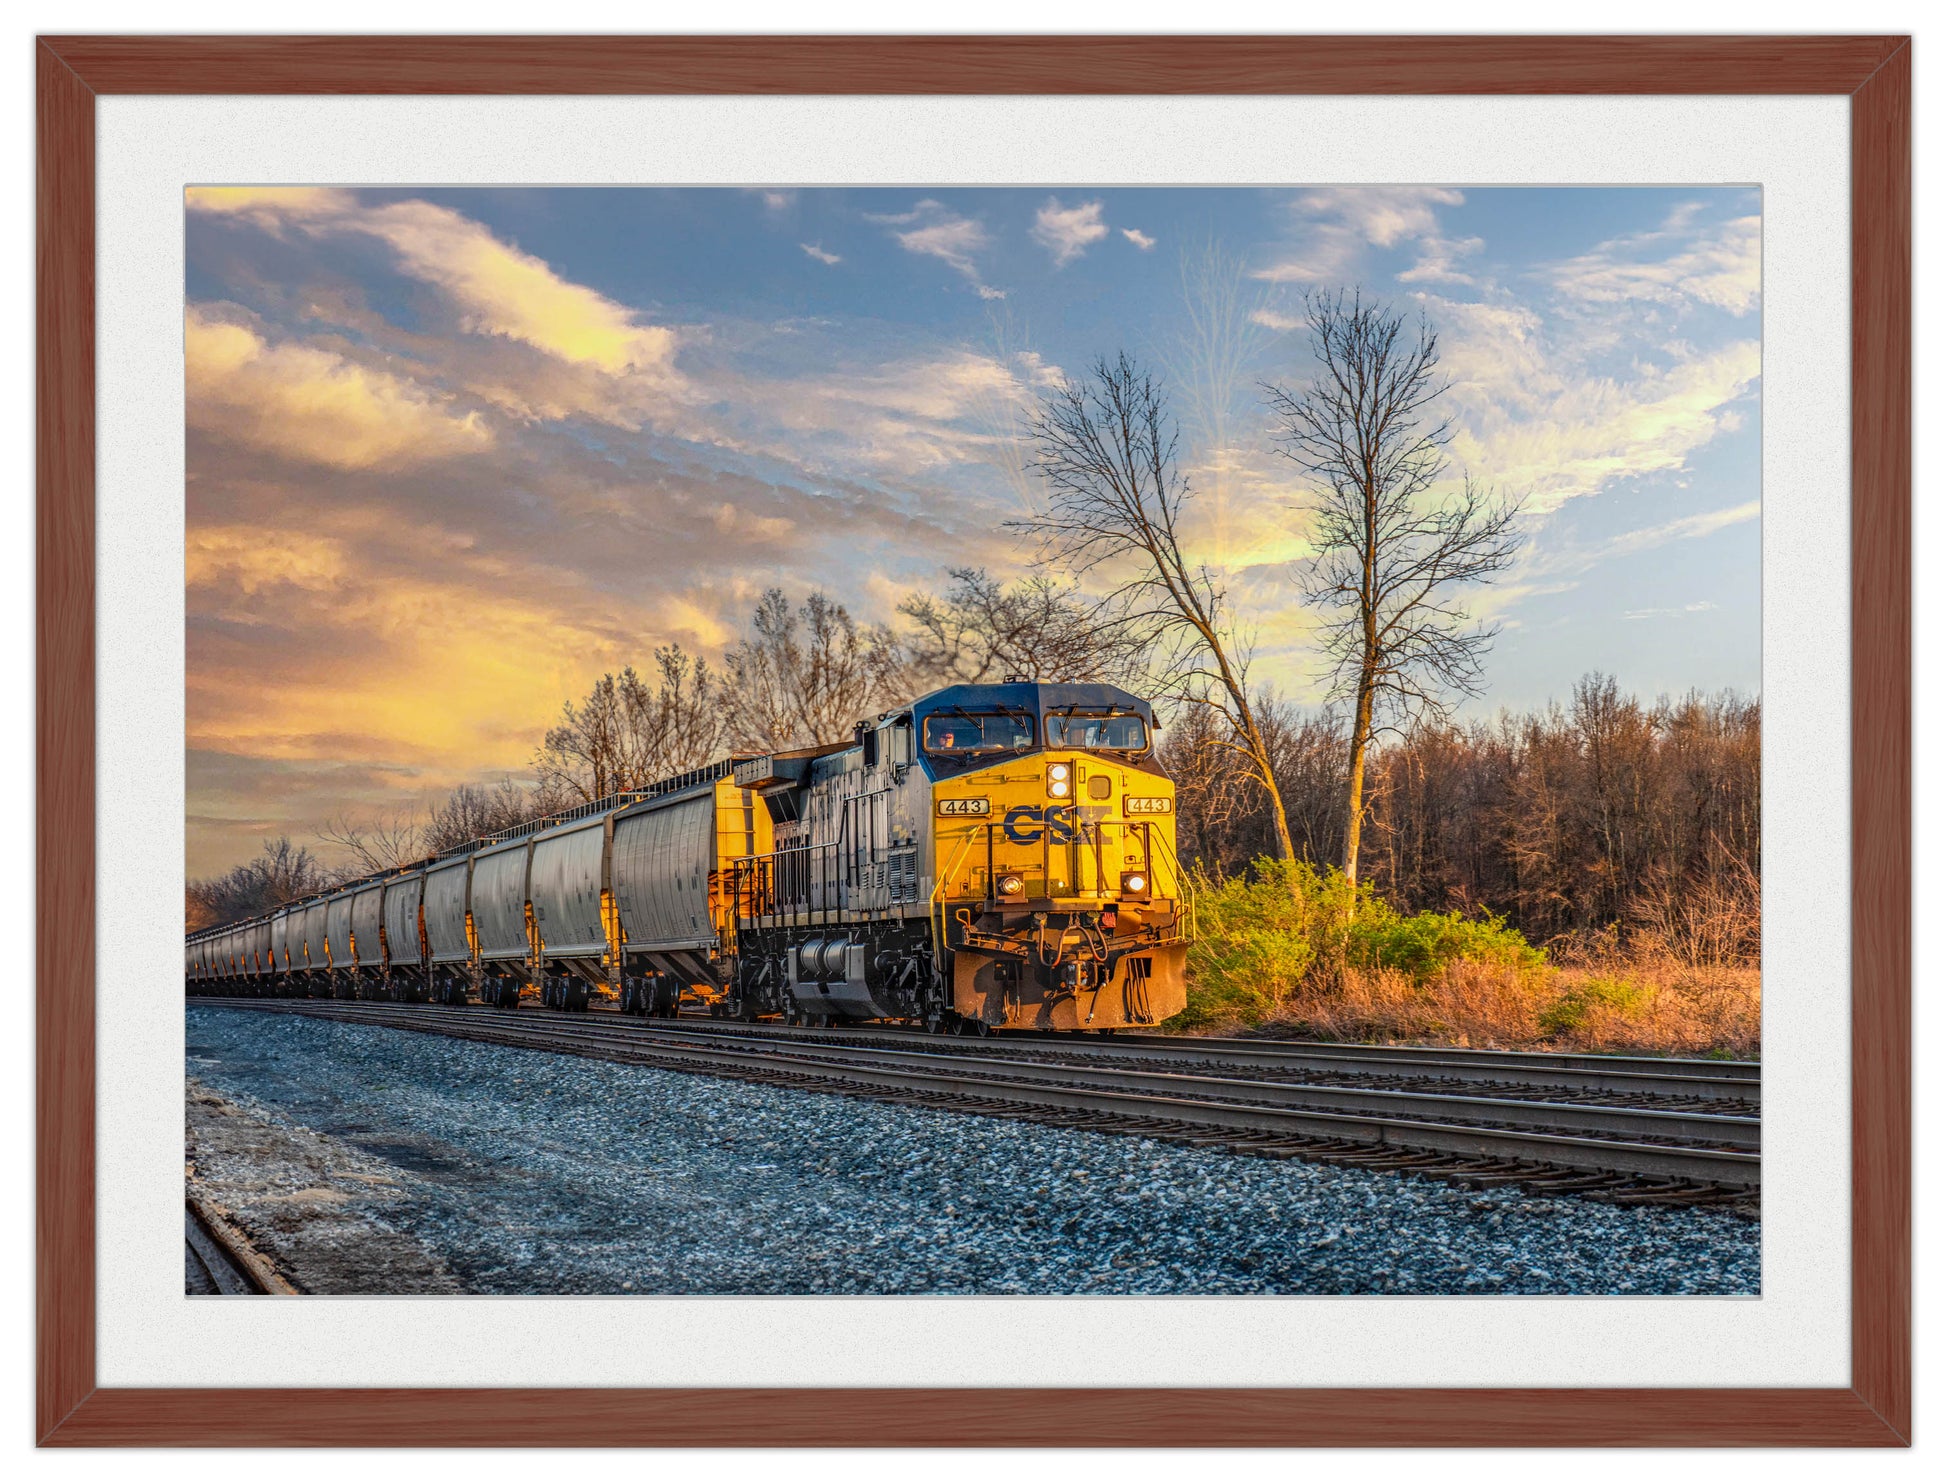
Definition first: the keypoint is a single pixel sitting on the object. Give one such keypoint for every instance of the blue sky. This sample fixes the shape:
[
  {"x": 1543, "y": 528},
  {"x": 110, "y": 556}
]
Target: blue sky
[{"x": 454, "y": 452}]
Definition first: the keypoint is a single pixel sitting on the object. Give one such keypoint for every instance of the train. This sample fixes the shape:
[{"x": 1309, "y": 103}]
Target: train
[{"x": 989, "y": 856}]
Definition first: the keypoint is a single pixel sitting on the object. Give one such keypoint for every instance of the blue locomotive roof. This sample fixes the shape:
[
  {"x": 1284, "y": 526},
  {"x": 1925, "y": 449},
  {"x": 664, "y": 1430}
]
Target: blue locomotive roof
[{"x": 1034, "y": 696}]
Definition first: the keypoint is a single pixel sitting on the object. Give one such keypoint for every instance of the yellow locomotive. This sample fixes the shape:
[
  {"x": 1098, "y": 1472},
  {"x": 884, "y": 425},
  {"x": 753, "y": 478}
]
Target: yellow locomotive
[
  {"x": 988, "y": 856},
  {"x": 991, "y": 855}
]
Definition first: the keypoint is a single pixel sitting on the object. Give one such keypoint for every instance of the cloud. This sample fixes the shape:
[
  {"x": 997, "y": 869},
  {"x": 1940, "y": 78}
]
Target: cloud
[
  {"x": 1534, "y": 415},
  {"x": 931, "y": 230},
  {"x": 1336, "y": 225},
  {"x": 1684, "y": 528},
  {"x": 1438, "y": 260},
  {"x": 497, "y": 289},
  {"x": 1068, "y": 231},
  {"x": 1141, "y": 239},
  {"x": 986, "y": 292},
  {"x": 303, "y": 402},
  {"x": 913, "y": 416},
  {"x": 812, "y": 249},
  {"x": 1543, "y": 572},
  {"x": 1720, "y": 266},
  {"x": 1270, "y": 319},
  {"x": 1635, "y": 614},
  {"x": 1595, "y": 429},
  {"x": 777, "y": 200}
]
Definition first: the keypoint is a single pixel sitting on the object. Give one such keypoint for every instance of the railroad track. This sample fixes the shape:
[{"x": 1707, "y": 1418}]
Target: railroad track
[
  {"x": 1470, "y": 1116},
  {"x": 1732, "y": 1087}
]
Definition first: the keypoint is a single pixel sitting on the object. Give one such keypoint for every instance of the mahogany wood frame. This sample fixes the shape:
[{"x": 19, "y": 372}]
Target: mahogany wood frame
[{"x": 1875, "y": 72}]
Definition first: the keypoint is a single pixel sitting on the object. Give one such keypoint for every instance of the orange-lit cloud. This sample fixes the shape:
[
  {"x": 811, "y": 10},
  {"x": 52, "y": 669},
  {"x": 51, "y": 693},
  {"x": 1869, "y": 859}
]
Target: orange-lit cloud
[
  {"x": 313, "y": 404},
  {"x": 498, "y": 289}
]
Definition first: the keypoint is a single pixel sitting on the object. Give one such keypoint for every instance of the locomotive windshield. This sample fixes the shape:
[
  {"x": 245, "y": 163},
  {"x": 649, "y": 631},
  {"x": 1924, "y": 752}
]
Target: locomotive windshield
[
  {"x": 1098, "y": 733},
  {"x": 959, "y": 730}
]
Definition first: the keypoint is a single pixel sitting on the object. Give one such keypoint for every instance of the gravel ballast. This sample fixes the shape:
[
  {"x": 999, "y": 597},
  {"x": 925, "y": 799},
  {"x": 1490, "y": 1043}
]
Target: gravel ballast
[{"x": 529, "y": 1172}]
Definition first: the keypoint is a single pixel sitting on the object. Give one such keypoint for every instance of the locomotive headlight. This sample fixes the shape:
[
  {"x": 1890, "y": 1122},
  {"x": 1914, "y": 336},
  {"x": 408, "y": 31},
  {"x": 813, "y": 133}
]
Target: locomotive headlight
[
  {"x": 1134, "y": 883},
  {"x": 1012, "y": 885},
  {"x": 1058, "y": 785}
]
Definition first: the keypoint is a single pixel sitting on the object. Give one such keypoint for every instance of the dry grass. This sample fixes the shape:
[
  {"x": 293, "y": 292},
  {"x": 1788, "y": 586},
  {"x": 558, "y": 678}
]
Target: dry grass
[{"x": 1644, "y": 1002}]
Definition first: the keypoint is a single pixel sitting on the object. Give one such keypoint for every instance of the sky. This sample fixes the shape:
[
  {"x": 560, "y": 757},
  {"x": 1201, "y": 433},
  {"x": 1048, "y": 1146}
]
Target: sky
[{"x": 452, "y": 454}]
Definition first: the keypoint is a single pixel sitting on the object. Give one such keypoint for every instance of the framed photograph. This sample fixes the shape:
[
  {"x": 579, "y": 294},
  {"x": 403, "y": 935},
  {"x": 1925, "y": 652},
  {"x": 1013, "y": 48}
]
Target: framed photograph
[{"x": 974, "y": 741}]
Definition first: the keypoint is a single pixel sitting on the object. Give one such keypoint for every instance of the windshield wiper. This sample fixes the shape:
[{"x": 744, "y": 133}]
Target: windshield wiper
[{"x": 1003, "y": 710}]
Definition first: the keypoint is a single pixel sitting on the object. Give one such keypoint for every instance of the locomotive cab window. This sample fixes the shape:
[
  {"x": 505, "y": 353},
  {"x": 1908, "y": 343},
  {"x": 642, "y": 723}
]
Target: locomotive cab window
[
  {"x": 949, "y": 733},
  {"x": 1098, "y": 733}
]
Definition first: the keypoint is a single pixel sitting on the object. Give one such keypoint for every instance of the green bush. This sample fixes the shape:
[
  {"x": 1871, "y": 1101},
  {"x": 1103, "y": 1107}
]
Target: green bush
[
  {"x": 1260, "y": 935},
  {"x": 1567, "y": 1012},
  {"x": 1419, "y": 946}
]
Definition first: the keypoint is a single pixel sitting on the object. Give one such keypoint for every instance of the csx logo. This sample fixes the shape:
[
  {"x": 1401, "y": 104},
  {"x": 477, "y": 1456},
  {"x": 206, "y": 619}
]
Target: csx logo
[{"x": 1026, "y": 822}]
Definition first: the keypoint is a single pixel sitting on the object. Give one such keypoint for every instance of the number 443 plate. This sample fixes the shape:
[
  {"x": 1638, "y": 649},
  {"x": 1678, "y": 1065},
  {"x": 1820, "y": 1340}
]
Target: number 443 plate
[{"x": 955, "y": 808}]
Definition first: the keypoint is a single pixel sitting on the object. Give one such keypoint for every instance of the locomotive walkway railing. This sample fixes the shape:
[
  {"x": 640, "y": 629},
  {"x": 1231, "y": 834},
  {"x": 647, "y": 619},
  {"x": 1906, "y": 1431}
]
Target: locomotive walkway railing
[{"x": 816, "y": 885}]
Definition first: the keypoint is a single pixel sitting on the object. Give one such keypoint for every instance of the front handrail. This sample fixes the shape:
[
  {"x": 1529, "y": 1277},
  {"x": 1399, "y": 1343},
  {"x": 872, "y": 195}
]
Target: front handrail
[{"x": 938, "y": 901}]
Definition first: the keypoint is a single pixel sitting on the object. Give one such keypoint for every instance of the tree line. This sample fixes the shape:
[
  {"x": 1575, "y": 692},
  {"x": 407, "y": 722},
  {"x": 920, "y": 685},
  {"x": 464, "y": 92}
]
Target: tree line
[{"x": 1605, "y": 816}]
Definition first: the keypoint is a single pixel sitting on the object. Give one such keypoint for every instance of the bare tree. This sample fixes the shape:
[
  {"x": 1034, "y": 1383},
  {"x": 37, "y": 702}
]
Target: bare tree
[
  {"x": 807, "y": 675},
  {"x": 283, "y": 872},
  {"x": 1390, "y": 556},
  {"x": 626, "y": 733},
  {"x": 472, "y": 811},
  {"x": 382, "y": 842},
  {"x": 1038, "y": 629},
  {"x": 1105, "y": 451}
]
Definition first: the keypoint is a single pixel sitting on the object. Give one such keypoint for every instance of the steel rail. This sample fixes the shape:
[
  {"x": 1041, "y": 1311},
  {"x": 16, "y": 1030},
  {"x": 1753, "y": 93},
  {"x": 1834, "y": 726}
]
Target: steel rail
[
  {"x": 1386, "y": 1126},
  {"x": 1627, "y": 1075},
  {"x": 1690, "y": 1066}
]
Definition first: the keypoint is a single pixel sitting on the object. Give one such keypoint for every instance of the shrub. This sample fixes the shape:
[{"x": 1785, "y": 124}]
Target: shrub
[
  {"x": 1580, "y": 998},
  {"x": 1262, "y": 937},
  {"x": 1422, "y": 945}
]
